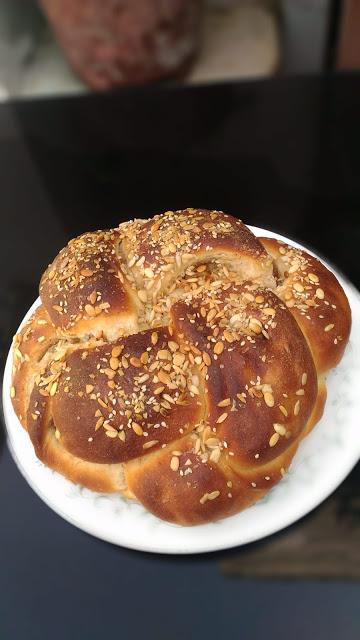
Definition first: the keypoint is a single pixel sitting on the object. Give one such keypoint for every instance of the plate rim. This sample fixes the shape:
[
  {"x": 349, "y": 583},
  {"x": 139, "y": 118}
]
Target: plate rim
[{"x": 185, "y": 549}]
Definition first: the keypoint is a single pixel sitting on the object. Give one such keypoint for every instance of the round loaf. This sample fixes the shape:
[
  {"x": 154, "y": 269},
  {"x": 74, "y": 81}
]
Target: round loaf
[{"x": 178, "y": 360}]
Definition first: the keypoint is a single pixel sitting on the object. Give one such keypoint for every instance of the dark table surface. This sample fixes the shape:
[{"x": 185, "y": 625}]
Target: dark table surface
[{"x": 282, "y": 154}]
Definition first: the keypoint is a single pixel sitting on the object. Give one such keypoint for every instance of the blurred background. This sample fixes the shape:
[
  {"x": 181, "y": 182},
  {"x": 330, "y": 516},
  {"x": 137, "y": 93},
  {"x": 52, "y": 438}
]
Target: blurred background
[{"x": 54, "y": 47}]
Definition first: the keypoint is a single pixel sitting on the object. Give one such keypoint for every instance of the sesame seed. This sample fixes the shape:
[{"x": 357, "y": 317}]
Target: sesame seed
[
  {"x": 174, "y": 463},
  {"x": 213, "y": 495},
  {"x": 304, "y": 379},
  {"x": 114, "y": 363},
  {"x": 135, "y": 362},
  {"x": 269, "y": 311},
  {"x": 297, "y": 408},
  {"x": 319, "y": 293},
  {"x": 300, "y": 392},
  {"x": 211, "y": 315},
  {"x": 283, "y": 410},
  {"x": 219, "y": 348},
  {"x": 194, "y": 389},
  {"x": 158, "y": 390},
  {"x": 154, "y": 338},
  {"x": 279, "y": 428},
  {"x": 89, "y": 388},
  {"x": 142, "y": 295},
  {"x": 92, "y": 297},
  {"x": 224, "y": 403},
  {"x": 298, "y": 287},
  {"x": 329, "y": 327},
  {"x": 116, "y": 351},
  {"x": 99, "y": 423},
  {"x": 269, "y": 399},
  {"x": 222, "y": 418},
  {"x": 313, "y": 277},
  {"x": 206, "y": 358},
  {"x": 143, "y": 378},
  {"x": 274, "y": 439},
  {"x": 12, "y": 392},
  {"x": 53, "y": 388},
  {"x": 151, "y": 443},
  {"x": 144, "y": 358},
  {"x": 137, "y": 429},
  {"x": 255, "y": 325},
  {"x": 168, "y": 398}
]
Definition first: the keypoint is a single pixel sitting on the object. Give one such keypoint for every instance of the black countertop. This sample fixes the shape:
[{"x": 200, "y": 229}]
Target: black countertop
[{"x": 282, "y": 154}]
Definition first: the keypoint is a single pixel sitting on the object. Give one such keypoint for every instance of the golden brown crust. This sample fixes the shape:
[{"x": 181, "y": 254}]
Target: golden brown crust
[
  {"x": 33, "y": 342},
  {"x": 113, "y": 408},
  {"x": 199, "y": 490},
  {"x": 45, "y": 438},
  {"x": 275, "y": 386},
  {"x": 316, "y": 300},
  {"x": 174, "y": 239},
  {"x": 172, "y": 365},
  {"x": 84, "y": 290}
]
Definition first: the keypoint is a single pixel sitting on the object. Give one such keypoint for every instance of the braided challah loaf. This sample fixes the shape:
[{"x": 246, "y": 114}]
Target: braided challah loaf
[{"x": 178, "y": 360}]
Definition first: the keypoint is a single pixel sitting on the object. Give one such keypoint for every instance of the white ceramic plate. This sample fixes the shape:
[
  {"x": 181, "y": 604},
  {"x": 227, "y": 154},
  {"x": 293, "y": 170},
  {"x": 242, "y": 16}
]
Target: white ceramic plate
[{"x": 322, "y": 462}]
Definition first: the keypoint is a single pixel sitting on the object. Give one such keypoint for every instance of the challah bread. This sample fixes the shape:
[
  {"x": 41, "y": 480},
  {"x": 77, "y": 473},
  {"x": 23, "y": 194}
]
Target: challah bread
[{"x": 179, "y": 361}]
